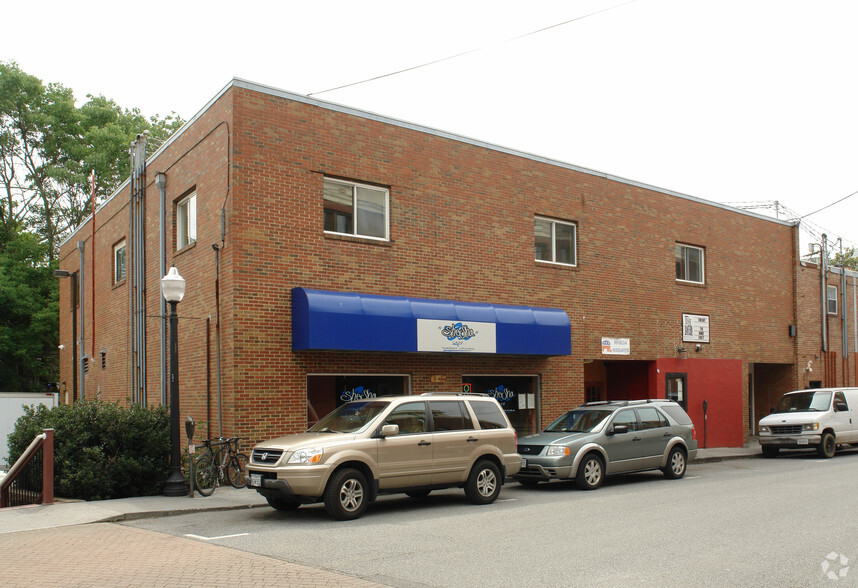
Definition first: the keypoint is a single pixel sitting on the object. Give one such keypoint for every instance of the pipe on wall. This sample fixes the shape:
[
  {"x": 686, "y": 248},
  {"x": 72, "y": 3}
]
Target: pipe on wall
[
  {"x": 161, "y": 182},
  {"x": 823, "y": 271},
  {"x": 81, "y": 246}
]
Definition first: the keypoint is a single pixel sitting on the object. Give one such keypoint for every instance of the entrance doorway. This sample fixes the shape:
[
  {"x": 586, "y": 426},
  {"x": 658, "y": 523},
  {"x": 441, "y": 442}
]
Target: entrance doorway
[
  {"x": 676, "y": 389},
  {"x": 518, "y": 395},
  {"x": 327, "y": 392}
]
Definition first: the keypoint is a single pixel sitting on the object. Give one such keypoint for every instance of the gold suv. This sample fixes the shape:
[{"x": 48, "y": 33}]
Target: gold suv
[{"x": 390, "y": 444}]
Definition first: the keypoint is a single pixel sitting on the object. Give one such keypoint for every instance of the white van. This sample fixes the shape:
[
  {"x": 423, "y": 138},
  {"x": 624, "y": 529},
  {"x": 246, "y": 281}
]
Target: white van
[{"x": 820, "y": 419}]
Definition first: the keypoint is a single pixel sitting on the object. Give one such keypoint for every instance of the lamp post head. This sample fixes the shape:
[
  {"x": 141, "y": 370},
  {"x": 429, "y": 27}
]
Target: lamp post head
[{"x": 173, "y": 286}]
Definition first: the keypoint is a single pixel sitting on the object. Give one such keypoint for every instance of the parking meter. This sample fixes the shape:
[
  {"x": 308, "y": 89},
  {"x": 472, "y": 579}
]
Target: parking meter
[
  {"x": 189, "y": 429},
  {"x": 705, "y": 407}
]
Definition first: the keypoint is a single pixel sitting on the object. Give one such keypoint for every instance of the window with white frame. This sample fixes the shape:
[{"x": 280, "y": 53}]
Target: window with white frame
[
  {"x": 554, "y": 241},
  {"x": 356, "y": 209},
  {"x": 186, "y": 221},
  {"x": 831, "y": 299},
  {"x": 689, "y": 263},
  {"x": 119, "y": 262}
]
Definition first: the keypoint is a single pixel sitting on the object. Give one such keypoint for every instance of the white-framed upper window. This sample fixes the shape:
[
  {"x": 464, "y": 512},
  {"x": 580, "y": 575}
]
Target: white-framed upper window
[
  {"x": 554, "y": 241},
  {"x": 689, "y": 263},
  {"x": 831, "y": 299},
  {"x": 119, "y": 257},
  {"x": 186, "y": 221},
  {"x": 356, "y": 209}
]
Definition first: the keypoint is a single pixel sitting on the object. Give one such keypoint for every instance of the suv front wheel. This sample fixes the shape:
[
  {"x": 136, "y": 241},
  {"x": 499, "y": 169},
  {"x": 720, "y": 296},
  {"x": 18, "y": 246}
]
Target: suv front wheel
[
  {"x": 484, "y": 483},
  {"x": 347, "y": 495},
  {"x": 591, "y": 472}
]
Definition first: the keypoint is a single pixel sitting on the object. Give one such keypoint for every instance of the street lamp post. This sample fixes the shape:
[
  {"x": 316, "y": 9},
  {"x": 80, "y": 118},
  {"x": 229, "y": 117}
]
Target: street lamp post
[{"x": 173, "y": 289}]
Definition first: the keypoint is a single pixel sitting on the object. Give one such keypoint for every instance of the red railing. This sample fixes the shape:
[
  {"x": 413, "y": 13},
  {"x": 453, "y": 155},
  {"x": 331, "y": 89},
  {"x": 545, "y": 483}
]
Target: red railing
[{"x": 31, "y": 479}]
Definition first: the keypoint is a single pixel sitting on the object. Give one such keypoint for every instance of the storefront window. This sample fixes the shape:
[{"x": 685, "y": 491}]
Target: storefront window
[
  {"x": 516, "y": 394},
  {"x": 327, "y": 392}
]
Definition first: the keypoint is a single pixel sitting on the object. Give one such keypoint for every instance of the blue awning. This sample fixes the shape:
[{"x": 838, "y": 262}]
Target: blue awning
[{"x": 369, "y": 322}]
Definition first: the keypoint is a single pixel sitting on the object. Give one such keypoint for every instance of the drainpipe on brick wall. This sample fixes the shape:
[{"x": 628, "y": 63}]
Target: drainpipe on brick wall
[
  {"x": 855, "y": 313},
  {"x": 217, "y": 334},
  {"x": 161, "y": 182},
  {"x": 843, "y": 321},
  {"x": 81, "y": 246},
  {"x": 823, "y": 275}
]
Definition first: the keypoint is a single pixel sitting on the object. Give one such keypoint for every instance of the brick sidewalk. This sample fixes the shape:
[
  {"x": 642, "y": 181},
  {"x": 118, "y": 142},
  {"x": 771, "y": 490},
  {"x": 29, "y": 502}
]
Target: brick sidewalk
[{"x": 107, "y": 554}]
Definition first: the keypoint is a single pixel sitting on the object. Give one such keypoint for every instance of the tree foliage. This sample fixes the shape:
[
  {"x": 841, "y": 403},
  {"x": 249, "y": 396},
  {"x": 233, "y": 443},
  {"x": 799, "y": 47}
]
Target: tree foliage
[
  {"x": 49, "y": 148},
  {"x": 847, "y": 259},
  {"x": 102, "y": 450},
  {"x": 28, "y": 314}
]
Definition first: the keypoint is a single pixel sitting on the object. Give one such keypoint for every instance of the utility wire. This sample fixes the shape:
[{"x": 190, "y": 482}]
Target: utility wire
[
  {"x": 829, "y": 205},
  {"x": 812, "y": 229},
  {"x": 422, "y": 65}
]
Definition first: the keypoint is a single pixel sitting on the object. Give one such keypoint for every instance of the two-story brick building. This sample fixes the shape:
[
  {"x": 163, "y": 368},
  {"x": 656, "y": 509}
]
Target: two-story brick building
[{"x": 331, "y": 253}]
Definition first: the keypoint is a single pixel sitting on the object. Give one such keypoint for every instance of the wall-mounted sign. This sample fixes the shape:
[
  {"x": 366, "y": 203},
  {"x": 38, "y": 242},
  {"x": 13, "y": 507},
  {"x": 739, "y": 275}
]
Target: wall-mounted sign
[
  {"x": 456, "y": 336},
  {"x": 695, "y": 328},
  {"x": 611, "y": 346}
]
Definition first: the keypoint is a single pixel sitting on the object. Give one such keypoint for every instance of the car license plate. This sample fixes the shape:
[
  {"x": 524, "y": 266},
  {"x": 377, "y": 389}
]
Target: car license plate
[
  {"x": 256, "y": 480},
  {"x": 523, "y": 462},
  {"x": 802, "y": 441}
]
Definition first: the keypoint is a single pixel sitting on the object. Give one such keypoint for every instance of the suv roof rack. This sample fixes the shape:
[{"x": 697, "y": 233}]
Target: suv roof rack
[
  {"x": 455, "y": 394},
  {"x": 627, "y": 402}
]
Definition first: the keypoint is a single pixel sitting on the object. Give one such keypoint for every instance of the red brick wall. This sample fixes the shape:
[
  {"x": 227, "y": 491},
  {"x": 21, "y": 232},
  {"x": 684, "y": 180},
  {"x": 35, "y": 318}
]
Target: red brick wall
[
  {"x": 461, "y": 227},
  {"x": 197, "y": 159},
  {"x": 827, "y": 366}
]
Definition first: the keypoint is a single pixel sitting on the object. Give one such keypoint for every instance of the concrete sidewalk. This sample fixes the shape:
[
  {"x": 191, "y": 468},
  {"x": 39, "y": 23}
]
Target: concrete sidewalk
[
  {"x": 66, "y": 513},
  {"x": 750, "y": 450}
]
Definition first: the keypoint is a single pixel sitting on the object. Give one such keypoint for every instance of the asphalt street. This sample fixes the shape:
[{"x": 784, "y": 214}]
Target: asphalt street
[{"x": 754, "y": 522}]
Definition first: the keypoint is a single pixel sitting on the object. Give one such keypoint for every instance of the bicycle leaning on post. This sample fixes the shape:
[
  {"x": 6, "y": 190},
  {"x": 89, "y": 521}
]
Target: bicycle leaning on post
[{"x": 219, "y": 459}]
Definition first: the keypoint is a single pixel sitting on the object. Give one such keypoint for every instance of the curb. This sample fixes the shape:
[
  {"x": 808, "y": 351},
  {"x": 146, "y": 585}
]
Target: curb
[
  {"x": 154, "y": 514},
  {"x": 717, "y": 458}
]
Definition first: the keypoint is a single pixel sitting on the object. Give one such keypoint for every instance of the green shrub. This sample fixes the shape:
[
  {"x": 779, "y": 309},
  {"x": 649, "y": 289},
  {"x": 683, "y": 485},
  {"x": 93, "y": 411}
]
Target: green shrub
[{"x": 101, "y": 450}]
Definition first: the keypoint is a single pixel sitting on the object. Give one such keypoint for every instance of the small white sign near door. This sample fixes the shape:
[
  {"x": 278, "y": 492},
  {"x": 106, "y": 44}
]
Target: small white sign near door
[{"x": 612, "y": 346}]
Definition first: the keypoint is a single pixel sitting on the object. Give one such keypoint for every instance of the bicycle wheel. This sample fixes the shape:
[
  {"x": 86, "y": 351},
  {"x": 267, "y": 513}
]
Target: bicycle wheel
[
  {"x": 236, "y": 470},
  {"x": 205, "y": 474}
]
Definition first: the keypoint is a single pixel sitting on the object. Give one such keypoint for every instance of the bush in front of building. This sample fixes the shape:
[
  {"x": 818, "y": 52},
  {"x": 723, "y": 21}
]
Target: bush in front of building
[{"x": 102, "y": 450}]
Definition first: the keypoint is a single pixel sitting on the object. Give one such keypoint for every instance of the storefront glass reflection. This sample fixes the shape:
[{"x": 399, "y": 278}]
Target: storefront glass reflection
[
  {"x": 516, "y": 394},
  {"x": 325, "y": 393}
]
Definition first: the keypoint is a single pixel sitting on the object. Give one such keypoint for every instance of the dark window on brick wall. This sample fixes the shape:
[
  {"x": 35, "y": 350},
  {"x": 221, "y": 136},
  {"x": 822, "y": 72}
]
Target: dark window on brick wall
[
  {"x": 689, "y": 263},
  {"x": 355, "y": 209}
]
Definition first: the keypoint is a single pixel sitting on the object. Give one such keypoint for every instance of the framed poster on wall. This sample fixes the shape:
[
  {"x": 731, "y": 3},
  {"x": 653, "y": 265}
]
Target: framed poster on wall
[{"x": 695, "y": 328}]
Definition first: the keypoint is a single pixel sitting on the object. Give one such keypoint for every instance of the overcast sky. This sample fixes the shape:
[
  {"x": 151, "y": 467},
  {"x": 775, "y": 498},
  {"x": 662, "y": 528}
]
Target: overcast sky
[{"x": 735, "y": 101}]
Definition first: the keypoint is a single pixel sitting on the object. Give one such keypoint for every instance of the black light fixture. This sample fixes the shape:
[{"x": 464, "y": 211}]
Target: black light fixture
[{"x": 173, "y": 290}]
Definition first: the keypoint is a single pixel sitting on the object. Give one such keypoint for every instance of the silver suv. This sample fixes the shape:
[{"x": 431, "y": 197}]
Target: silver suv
[
  {"x": 603, "y": 438},
  {"x": 390, "y": 444}
]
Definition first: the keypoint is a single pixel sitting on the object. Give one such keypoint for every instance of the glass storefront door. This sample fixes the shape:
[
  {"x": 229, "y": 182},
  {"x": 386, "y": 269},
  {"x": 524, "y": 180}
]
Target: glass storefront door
[
  {"x": 518, "y": 395},
  {"x": 326, "y": 392}
]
